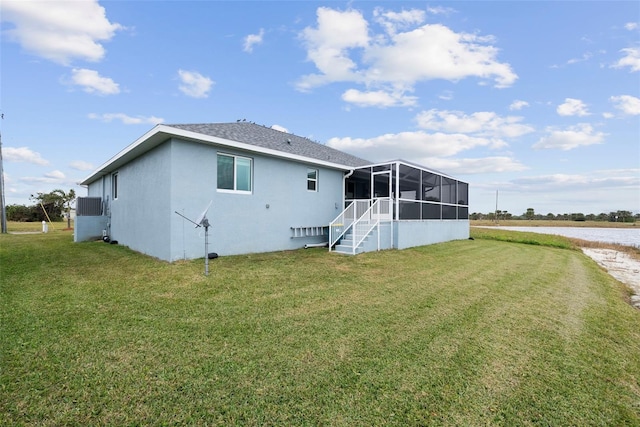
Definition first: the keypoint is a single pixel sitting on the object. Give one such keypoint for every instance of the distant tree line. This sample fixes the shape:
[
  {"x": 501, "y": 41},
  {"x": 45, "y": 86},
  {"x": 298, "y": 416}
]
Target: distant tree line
[
  {"x": 618, "y": 216},
  {"x": 47, "y": 207}
]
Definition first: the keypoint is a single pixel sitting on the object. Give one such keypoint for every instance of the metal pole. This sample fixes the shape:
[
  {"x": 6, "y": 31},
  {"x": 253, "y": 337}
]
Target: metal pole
[
  {"x": 205, "y": 223},
  {"x": 4, "y": 208}
]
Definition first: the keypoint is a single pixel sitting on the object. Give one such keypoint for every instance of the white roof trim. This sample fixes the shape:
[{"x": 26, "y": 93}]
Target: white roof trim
[{"x": 146, "y": 142}]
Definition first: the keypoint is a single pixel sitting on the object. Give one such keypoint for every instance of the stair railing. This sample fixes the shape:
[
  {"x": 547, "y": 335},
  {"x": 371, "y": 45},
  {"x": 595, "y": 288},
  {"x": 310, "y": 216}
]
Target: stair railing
[
  {"x": 344, "y": 221},
  {"x": 368, "y": 222}
]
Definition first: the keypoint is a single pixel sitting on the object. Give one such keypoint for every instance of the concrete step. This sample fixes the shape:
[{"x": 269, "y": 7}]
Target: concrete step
[{"x": 346, "y": 250}]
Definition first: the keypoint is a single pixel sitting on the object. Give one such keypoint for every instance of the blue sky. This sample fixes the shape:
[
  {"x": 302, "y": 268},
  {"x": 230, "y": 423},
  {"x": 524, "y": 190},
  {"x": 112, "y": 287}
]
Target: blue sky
[{"x": 537, "y": 100}]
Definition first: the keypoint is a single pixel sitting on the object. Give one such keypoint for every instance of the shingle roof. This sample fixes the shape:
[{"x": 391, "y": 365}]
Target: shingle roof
[{"x": 265, "y": 137}]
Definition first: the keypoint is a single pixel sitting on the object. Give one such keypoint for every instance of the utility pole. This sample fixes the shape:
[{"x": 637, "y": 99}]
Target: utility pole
[
  {"x": 4, "y": 208},
  {"x": 496, "y": 213}
]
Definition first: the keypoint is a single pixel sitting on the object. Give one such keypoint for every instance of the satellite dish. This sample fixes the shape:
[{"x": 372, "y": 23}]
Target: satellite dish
[
  {"x": 203, "y": 216},
  {"x": 202, "y": 221}
]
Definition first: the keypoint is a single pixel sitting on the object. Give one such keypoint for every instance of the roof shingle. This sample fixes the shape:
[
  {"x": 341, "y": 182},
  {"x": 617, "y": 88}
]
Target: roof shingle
[{"x": 265, "y": 137}]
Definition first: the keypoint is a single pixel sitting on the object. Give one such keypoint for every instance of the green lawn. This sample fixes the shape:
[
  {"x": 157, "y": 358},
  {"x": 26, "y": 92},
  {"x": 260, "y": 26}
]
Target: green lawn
[{"x": 473, "y": 332}]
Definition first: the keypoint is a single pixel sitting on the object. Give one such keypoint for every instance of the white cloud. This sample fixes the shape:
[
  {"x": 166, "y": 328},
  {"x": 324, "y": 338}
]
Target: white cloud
[
  {"x": 631, "y": 26},
  {"x": 56, "y": 174},
  {"x": 495, "y": 164},
  {"x": 394, "y": 21},
  {"x": 572, "y": 107},
  {"x": 411, "y": 145},
  {"x": 431, "y": 150},
  {"x": 627, "y": 104},
  {"x": 342, "y": 50},
  {"x": 575, "y": 136},
  {"x": 440, "y": 10},
  {"x": 435, "y": 52},
  {"x": 23, "y": 154},
  {"x": 597, "y": 179},
  {"x": 483, "y": 123},
  {"x": 194, "y": 84},
  {"x": 631, "y": 59},
  {"x": 378, "y": 98},
  {"x": 446, "y": 95},
  {"x": 92, "y": 82},
  {"x": 81, "y": 165},
  {"x": 252, "y": 40},
  {"x": 125, "y": 119},
  {"x": 280, "y": 128},
  {"x": 328, "y": 45},
  {"x": 53, "y": 177},
  {"x": 59, "y": 31},
  {"x": 518, "y": 105},
  {"x": 585, "y": 57}
]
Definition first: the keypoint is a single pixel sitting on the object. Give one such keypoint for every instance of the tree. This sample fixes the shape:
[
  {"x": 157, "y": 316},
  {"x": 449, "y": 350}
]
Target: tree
[
  {"x": 625, "y": 216},
  {"x": 55, "y": 202},
  {"x": 577, "y": 217},
  {"x": 530, "y": 213},
  {"x": 21, "y": 213}
]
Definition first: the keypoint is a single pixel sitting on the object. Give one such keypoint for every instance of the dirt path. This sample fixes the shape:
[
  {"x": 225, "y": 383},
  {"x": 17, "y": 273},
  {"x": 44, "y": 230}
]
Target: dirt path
[{"x": 621, "y": 266}]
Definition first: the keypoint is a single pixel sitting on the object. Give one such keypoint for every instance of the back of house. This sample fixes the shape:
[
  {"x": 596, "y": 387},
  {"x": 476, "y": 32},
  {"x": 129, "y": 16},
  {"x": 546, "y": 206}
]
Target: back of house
[{"x": 265, "y": 190}]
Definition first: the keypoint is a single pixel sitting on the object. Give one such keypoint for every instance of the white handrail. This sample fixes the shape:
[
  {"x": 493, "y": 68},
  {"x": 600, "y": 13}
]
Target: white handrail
[
  {"x": 375, "y": 213},
  {"x": 353, "y": 217},
  {"x": 339, "y": 226},
  {"x": 343, "y": 222}
]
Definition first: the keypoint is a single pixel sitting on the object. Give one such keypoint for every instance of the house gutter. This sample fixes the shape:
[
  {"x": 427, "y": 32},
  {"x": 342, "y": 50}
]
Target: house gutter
[{"x": 344, "y": 184}]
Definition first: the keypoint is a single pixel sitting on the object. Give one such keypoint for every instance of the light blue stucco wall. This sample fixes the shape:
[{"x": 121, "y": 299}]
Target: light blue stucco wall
[
  {"x": 139, "y": 216},
  {"x": 88, "y": 228},
  {"x": 382, "y": 235},
  {"x": 181, "y": 176},
  {"x": 408, "y": 234},
  {"x": 247, "y": 223}
]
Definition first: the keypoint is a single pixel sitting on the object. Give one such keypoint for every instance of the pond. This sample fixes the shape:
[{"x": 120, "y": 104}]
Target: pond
[{"x": 620, "y": 236}]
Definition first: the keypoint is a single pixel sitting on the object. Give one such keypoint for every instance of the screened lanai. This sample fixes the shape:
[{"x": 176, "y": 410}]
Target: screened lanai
[{"x": 417, "y": 193}]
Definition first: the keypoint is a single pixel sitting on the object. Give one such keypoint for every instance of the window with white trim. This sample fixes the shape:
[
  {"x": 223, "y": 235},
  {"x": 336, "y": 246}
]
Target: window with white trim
[
  {"x": 234, "y": 173},
  {"x": 114, "y": 185},
  {"x": 312, "y": 179}
]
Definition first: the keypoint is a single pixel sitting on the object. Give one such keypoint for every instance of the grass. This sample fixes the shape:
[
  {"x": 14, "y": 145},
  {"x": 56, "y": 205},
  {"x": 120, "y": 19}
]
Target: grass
[
  {"x": 550, "y": 240},
  {"x": 481, "y": 332},
  {"x": 32, "y": 227}
]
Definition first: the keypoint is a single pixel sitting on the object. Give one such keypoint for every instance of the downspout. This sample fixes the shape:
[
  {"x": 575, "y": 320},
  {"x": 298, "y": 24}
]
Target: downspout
[{"x": 344, "y": 185}]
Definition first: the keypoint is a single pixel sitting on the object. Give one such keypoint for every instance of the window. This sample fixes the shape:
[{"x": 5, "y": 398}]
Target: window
[
  {"x": 312, "y": 179},
  {"x": 463, "y": 193},
  {"x": 114, "y": 185},
  {"x": 449, "y": 212},
  {"x": 234, "y": 173},
  {"x": 431, "y": 211},
  {"x": 463, "y": 212},
  {"x": 448, "y": 191},
  {"x": 409, "y": 183},
  {"x": 431, "y": 187},
  {"x": 409, "y": 210},
  {"x": 359, "y": 184}
]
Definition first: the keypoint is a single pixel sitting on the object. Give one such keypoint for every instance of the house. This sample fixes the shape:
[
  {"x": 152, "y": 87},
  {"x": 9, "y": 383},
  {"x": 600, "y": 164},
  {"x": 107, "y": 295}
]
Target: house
[{"x": 265, "y": 190}]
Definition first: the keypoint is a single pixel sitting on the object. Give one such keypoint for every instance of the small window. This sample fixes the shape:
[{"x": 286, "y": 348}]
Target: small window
[
  {"x": 114, "y": 186},
  {"x": 312, "y": 179},
  {"x": 234, "y": 173}
]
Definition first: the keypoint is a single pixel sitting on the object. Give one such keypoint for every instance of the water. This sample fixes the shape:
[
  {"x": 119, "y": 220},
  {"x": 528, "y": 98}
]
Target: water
[{"x": 620, "y": 236}]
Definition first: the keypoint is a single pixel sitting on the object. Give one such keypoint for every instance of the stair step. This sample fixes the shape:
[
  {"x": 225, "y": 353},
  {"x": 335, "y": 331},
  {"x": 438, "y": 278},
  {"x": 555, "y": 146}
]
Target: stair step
[{"x": 343, "y": 249}]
